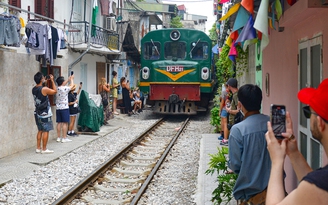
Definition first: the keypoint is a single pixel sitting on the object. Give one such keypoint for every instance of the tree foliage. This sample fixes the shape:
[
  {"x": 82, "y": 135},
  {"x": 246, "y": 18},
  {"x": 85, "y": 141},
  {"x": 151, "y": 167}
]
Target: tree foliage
[
  {"x": 213, "y": 35},
  {"x": 176, "y": 22}
]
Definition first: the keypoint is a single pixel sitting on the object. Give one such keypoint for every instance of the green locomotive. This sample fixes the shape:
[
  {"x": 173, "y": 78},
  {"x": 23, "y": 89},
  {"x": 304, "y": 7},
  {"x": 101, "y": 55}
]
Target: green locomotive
[{"x": 176, "y": 70}]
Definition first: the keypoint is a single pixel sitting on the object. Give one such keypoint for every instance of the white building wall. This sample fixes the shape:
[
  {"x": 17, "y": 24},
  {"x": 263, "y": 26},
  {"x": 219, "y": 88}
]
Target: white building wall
[{"x": 17, "y": 68}]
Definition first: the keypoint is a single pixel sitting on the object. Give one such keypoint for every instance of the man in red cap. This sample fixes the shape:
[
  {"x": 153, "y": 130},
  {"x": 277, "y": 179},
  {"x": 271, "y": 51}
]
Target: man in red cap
[{"x": 313, "y": 186}]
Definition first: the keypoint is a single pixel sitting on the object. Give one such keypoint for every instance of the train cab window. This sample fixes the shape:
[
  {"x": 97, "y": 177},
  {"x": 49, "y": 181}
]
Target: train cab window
[
  {"x": 175, "y": 50},
  {"x": 152, "y": 51},
  {"x": 199, "y": 51}
]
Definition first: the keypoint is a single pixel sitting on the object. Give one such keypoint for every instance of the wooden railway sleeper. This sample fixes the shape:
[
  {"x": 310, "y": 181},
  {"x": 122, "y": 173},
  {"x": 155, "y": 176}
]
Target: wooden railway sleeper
[
  {"x": 149, "y": 165},
  {"x": 110, "y": 189},
  {"x": 125, "y": 180},
  {"x": 127, "y": 172},
  {"x": 150, "y": 144},
  {"x": 150, "y": 158},
  {"x": 103, "y": 201},
  {"x": 148, "y": 148},
  {"x": 146, "y": 153}
]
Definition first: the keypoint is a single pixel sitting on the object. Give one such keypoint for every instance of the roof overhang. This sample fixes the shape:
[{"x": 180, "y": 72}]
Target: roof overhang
[
  {"x": 95, "y": 48},
  {"x": 153, "y": 18},
  {"x": 129, "y": 46}
]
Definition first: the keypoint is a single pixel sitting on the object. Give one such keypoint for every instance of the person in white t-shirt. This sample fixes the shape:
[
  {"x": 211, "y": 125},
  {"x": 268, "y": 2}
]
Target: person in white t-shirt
[{"x": 62, "y": 108}]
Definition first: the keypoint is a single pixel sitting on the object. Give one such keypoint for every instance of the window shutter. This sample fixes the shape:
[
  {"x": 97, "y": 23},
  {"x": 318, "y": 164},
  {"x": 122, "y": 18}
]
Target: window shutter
[
  {"x": 51, "y": 9},
  {"x": 39, "y": 6},
  {"x": 16, "y": 3}
]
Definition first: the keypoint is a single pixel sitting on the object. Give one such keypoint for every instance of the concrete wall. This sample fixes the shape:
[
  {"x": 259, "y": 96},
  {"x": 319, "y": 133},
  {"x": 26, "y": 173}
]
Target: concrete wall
[
  {"x": 280, "y": 62},
  {"x": 17, "y": 126}
]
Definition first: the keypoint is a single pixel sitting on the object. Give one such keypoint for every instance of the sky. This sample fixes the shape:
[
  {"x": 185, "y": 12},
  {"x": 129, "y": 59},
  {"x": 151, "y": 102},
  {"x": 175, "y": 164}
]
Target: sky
[{"x": 199, "y": 7}]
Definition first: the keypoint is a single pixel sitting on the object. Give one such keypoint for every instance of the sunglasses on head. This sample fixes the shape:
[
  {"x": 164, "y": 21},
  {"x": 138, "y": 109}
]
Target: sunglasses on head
[{"x": 307, "y": 113}]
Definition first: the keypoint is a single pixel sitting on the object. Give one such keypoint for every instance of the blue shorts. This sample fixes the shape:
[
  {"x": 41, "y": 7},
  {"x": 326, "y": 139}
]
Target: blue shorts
[
  {"x": 43, "y": 124},
  {"x": 62, "y": 115},
  {"x": 223, "y": 113}
]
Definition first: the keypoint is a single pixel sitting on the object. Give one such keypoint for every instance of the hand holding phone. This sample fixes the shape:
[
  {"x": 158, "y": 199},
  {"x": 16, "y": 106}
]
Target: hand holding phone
[{"x": 278, "y": 120}]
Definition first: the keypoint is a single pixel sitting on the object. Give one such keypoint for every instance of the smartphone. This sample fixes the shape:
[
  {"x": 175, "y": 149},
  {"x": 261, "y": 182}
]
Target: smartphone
[
  {"x": 80, "y": 83},
  {"x": 48, "y": 77},
  {"x": 72, "y": 72},
  {"x": 278, "y": 120}
]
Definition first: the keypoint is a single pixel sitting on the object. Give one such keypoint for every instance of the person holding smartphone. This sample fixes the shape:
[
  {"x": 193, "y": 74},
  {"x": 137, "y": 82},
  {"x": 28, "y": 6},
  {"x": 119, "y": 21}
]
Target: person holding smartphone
[
  {"x": 248, "y": 154},
  {"x": 313, "y": 186},
  {"x": 115, "y": 87}
]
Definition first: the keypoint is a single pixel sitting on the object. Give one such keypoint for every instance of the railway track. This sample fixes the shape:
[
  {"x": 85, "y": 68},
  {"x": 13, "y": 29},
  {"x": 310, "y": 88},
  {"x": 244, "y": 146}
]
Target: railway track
[{"x": 124, "y": 177}]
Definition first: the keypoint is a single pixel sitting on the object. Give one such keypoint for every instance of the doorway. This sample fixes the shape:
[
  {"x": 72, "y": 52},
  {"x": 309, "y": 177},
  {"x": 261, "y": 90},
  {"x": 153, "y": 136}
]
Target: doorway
[{"x": 310, "y": 75}]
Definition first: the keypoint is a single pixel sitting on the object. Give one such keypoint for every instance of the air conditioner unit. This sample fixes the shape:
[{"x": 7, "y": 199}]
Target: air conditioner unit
[{"x": 111, "y": 24}]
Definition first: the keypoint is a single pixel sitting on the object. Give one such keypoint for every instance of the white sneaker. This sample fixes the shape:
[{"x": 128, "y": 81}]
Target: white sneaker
[
  {"x": 58, "y": 139},
  {"x": 38, "y": 150},
  {"x": 47, "y": 151},
  {"x": 66, "y": 140}
]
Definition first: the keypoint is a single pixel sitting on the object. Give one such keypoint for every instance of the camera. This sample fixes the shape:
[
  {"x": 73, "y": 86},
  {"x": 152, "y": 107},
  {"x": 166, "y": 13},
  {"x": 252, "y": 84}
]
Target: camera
[{"x": 48, "y": 77}]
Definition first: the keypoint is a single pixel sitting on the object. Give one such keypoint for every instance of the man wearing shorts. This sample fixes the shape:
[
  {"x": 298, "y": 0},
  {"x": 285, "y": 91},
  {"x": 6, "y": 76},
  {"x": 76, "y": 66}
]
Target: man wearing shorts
[
  {"x": 43, "y": 114},
  {"x": 62, "y": 108}
]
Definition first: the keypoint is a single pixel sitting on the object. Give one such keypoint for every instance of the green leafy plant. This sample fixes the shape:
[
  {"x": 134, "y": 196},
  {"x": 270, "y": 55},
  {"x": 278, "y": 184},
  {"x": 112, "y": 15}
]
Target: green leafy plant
[
  {"x": 215, "y": 118},
  {"x": 226, "y": 180}
]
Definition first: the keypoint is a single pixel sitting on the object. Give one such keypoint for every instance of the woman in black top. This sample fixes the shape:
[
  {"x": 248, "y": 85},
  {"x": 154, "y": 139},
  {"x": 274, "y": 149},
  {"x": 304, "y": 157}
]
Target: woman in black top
[{"x": 126, "y": 95}]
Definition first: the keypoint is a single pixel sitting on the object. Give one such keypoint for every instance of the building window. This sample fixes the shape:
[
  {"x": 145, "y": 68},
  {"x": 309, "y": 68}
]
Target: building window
[
  {"x": 44, "y": 8},
  {"x": 16, "y": 3}
]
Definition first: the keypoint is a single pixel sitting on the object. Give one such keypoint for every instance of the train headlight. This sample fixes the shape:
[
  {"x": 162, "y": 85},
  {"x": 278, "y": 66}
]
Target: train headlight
[
  {"x": 175, "y": 35},
  {"x": 145, "y": 73},
  {"x": 205, "y": 73}
]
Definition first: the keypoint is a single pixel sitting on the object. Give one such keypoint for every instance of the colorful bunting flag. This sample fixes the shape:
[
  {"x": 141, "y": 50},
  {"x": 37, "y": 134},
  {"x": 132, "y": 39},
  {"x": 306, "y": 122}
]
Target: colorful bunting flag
[
  {"x": 234, "y": 35},
  {"x": 248, "y": 5},
  {"x": 291, "y": 2},
  {"x": 231, "y": 11},
  {"x": 248, "y": 31},
  {"x": 229, "y": 41},
  {"x": 224, "y": 1},
  {"x": 241, "y": 19},
  {"x": 261, "y": 23},
  {"x": 278, "y": 9},
  {"x": 233, "y": 52},
  {"x": 273, "y": 19}
]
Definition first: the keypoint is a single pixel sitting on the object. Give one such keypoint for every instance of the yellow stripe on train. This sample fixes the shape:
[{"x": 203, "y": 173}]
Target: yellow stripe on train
[
  {"x": 146, "y": 84},
  {"x": 175, "y": 77}
]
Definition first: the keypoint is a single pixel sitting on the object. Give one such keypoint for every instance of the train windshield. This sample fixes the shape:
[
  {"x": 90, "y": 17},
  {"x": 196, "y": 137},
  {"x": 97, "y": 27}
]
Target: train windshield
[
  {"x": 151, "y": 50},
  {"x": 175, "y": 50},
  {"x": 199, "y": 50}
]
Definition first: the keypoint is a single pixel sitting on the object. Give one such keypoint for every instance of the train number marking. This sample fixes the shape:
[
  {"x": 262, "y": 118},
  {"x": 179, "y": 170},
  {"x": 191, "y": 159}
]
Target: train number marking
[{"x": 174, "y": 68}]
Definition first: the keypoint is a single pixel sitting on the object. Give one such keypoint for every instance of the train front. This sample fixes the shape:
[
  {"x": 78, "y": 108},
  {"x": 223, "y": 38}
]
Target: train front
[{"x": 176, "y": 70}]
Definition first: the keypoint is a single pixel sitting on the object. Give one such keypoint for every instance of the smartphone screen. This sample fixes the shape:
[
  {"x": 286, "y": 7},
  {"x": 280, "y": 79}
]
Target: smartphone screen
[
  {"x": 72, "y": 72},
  {"x": 278, "y": 120}
]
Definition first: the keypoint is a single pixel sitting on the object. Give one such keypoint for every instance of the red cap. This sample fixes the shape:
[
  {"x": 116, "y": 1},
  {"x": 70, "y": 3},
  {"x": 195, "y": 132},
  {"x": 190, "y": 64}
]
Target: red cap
[{"x": 317, "y": 99}]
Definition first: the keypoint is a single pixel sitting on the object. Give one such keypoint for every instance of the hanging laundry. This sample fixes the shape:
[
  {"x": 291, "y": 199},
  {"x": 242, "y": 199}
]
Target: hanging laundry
[
  {"x": 9, "y": 28},
  {"x": 54, "y": 40}
]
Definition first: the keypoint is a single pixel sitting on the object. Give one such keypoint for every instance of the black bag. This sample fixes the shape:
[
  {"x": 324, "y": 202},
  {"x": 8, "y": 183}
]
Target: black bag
[
  {"x": 41, "y": 108},
  {"x": 238, "y": 118},
  {"x": 104, "y": 100}
]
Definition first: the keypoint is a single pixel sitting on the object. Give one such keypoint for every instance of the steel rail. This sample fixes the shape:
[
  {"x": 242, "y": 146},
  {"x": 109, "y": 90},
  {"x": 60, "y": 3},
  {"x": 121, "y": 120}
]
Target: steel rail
[
  {"x": 144, "y": 186},
  {"x": 92, "y": 177}
]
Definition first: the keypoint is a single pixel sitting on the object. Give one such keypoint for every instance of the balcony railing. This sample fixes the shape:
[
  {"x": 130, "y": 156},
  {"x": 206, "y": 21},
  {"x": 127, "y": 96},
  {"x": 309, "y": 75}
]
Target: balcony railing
[{"x": 99, "y": 35}]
